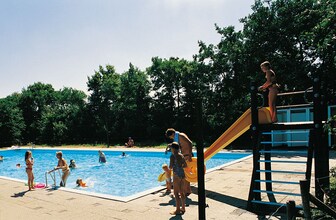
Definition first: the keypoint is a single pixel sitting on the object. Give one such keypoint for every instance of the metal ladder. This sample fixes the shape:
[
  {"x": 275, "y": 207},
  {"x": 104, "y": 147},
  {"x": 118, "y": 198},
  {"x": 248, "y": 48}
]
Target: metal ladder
[
  {"x": 267, "y": 190},
  {"x": 52, "y": 176}
]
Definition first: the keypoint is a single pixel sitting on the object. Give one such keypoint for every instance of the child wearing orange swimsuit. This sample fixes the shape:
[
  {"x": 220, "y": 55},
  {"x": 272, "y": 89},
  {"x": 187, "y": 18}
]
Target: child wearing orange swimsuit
[{"x": 80, "y": 183}]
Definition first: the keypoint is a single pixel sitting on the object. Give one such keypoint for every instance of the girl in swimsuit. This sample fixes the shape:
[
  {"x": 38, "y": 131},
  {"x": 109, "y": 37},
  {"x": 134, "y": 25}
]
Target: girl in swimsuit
[
  {"x": 62, "y": 164},
  {"x": 29, "y": 169},
  {"x": 177, "y": 163},
  {"x": 272, "y": 87}
]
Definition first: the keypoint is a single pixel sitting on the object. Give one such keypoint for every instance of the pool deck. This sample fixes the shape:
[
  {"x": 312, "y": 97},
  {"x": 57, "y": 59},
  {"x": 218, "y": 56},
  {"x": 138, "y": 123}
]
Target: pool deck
[{"x": 226, "y": 189}]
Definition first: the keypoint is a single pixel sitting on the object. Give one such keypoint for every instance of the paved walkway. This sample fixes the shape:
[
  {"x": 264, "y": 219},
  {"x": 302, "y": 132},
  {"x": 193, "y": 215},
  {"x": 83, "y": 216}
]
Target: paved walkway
[{"x": 227, "y": 192}]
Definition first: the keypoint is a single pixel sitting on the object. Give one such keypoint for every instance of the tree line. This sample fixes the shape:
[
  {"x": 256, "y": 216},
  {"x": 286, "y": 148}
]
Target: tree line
[{"x": 201, "y": 97}]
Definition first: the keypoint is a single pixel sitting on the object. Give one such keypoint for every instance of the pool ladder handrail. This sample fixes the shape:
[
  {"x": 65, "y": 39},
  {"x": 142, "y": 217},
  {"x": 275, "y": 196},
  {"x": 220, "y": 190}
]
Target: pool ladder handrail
[{"x": 52, "y": 177}]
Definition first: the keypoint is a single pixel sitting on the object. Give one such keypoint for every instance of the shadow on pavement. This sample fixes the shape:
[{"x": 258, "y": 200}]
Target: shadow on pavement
[{"x": 20, "y": 194}]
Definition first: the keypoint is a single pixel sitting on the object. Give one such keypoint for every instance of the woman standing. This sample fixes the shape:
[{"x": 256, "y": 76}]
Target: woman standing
[
  {"x": 62, "y": 164},
  {"x": 272, "y": 87}
]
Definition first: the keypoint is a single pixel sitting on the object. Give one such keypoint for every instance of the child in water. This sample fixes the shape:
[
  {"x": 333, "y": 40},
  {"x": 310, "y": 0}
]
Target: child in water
[
  {"x": 102, "y": 157},
  {"x": 177, "y": 163},
  {"x": 29, "y": 169},
  {"x": 168, "y": 178},
  {"x": 80, "y": 183},
  {"x": 72, "y": 164}
]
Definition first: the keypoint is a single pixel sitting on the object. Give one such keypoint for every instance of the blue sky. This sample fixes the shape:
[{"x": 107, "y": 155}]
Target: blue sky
[{"x": 62, "y": 42}]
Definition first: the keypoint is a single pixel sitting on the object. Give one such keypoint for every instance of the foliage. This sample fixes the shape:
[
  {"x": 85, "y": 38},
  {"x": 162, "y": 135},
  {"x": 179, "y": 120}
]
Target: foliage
[
  {"x": 104, "y": 86},
  {"x": 62, "y": 119},
  {"x": 11, "y": 121},
  {"x": 330, "y": 125},
  {"x": 330, "y": 197},
  {"x": 33, "y": 102}
]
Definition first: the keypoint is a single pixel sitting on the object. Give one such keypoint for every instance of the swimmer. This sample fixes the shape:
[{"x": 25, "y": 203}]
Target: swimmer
[
  {"x": 18, "y": 165},
  {"x": 123, "y": 154},
  {"x": 72, "y": 164},
  {"x": 102, "y": 157},
  {"x": 80, "y": 183},
  {"x": 1, "y": 158}
]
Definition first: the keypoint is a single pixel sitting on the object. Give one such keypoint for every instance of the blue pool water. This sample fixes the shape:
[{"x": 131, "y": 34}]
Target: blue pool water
[{"x": 120, "y": 176}]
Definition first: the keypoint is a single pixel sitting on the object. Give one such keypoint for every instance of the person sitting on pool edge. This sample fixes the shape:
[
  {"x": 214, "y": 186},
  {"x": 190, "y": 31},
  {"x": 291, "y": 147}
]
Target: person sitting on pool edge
[
  {"x": 80, "y": 183},
  {"x": 102, "y": 157},
  {"x": 130, "y": 142}
]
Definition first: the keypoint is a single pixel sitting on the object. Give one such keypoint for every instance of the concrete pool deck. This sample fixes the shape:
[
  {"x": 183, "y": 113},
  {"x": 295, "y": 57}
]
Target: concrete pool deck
[{"x": 226, "y": 189}]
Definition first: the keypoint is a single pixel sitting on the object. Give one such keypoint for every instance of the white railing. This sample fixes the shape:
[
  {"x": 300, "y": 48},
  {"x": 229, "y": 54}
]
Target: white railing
[{"x": 52, "y": 175}]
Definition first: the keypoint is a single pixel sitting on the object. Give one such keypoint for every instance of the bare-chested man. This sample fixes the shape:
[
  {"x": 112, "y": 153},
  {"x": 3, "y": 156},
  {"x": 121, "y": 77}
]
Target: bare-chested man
[{"x": 186, "y": 148}]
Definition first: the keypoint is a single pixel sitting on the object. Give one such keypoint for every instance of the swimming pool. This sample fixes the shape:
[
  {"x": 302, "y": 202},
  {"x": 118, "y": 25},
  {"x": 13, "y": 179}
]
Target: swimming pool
[{"x": 120, "y": 176}]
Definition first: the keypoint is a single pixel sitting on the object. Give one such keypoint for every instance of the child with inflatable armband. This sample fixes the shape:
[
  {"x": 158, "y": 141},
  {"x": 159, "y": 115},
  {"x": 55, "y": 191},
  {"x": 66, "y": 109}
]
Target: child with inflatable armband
[
  {"x": 80, "y": 183},
  {"x": 168, "y": 178}
]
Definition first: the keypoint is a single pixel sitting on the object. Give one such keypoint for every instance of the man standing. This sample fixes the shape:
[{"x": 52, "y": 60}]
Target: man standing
[{"x": 185, "y": 146}]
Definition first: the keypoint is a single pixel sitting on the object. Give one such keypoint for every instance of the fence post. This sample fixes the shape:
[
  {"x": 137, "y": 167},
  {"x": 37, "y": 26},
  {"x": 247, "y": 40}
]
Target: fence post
[
  {"x": 291, "y": 210},
  {"x": 304, "y": 187},
  {"x": 200, "y": 163}
]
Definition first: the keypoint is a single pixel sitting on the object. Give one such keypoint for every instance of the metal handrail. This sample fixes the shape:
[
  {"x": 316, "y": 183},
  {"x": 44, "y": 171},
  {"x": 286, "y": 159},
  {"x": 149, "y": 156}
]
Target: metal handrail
[
  {"x": 53, "y": 177},
  {"x": 305, "y": 92}
]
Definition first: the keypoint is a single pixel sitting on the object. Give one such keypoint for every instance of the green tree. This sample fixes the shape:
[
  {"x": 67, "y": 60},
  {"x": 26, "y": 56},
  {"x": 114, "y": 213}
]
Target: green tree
[
  {"x": 166, "y": 78},
  {"x": 33, "y": 102},
  {"x": 134, "y": 103},
  {"x": 104, "y": 87},
  {"x": 11, "y": 121},
  {"x": 62, "y": 121}
]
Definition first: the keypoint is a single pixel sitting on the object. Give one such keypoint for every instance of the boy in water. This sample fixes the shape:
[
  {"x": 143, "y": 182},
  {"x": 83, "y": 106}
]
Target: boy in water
[
  {"x": 177, "y": 163},
  {"x": 72, "y": 164},
  {"x": 102, "y": 157}
]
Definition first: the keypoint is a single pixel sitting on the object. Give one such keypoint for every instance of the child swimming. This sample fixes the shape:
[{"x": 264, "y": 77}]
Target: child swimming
[
  {"x": 80, "y": 183},
  {"x": 72, "y": 164}
]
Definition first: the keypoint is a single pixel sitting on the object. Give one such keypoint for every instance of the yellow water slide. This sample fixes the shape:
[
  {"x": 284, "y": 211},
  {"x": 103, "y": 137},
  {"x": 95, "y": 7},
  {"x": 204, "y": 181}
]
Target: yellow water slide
[{"x": 232, "y": 133}]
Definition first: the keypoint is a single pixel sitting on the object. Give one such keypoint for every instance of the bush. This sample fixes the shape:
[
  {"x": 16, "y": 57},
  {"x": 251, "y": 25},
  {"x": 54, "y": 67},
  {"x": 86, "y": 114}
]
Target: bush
[{"x": 330, "y": 125}]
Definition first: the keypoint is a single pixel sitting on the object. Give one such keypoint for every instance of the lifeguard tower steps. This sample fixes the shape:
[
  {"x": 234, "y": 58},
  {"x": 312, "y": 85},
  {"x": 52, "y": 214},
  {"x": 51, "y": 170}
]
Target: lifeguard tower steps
[{"x": 273, "y": 185}]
